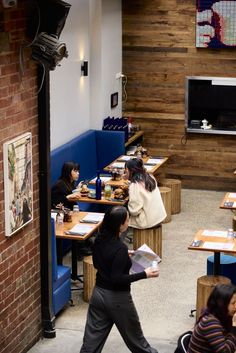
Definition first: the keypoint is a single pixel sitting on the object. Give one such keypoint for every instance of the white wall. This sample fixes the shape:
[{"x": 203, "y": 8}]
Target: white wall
[{"x": 92, "y": 32}]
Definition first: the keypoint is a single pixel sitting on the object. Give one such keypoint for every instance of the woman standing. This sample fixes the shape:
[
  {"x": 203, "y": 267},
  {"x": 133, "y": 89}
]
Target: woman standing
[
  {"x": 215, "y": 330},
  {"x": 62, "y": 190},
  {"x": 145, "y": 204},
  {"x": 111, "y": 301}
]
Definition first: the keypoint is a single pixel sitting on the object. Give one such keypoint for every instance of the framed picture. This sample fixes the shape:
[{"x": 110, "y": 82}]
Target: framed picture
[
  {"x": 215, "y": 24},
  {"x": 18, "y": 186},
  {"x": 114, "y": 99}
]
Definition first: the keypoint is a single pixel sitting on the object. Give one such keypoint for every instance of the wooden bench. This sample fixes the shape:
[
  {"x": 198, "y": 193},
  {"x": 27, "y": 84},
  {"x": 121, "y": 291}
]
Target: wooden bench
[
  {"x": 166, "y": 198},
  {"x": 175, "y": 186},
  {"x": 205, "y": 285},
  {"x": 150, "y": 236}
]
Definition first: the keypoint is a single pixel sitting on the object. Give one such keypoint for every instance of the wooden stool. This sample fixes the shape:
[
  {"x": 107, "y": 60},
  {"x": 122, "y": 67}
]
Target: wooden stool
[
  {"x": 166, "y": 198},
  {"x": 150, "y": 236},
  {"x": 89, "y": 277},
  {"x": 205, "y": 285},
  {"x": 175, "y": 186}
]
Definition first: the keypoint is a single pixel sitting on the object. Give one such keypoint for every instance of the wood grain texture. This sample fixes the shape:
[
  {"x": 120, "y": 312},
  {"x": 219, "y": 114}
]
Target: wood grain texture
[{"x": 158, "y": 53}]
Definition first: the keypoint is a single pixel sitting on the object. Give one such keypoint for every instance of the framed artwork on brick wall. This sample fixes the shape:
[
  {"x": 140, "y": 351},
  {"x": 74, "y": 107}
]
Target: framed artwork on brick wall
[
  {"x": 215, "y": 24},
  {"x": 18, "y": 187}
]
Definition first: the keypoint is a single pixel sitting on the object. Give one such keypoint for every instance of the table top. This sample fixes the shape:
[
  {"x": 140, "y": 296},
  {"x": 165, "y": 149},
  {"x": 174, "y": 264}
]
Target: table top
[
  {"x": 60, "y": 229},
  {"x": 229, "y": 201},
  {"x": 213, "y": 240},
  {"x": 103, "y": 201},
  {"x": 108, "y": 180},
  {"x": 152, "y": 164}
]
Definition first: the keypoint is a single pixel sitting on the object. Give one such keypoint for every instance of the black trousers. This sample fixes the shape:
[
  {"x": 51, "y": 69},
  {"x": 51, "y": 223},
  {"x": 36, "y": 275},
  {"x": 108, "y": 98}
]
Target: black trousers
[{"x": 106, "y": 308}]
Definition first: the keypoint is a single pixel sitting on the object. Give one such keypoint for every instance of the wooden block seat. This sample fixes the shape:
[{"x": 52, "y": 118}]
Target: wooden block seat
[
  {"x": 152, "y": 237},
  {"x": 205, "y": 285},
  {"x": 89, "y": 277},
  {"x": 166, "y": 198},
  {"x": 175, "y": 186},
  {"x": 227, "y": 266}
]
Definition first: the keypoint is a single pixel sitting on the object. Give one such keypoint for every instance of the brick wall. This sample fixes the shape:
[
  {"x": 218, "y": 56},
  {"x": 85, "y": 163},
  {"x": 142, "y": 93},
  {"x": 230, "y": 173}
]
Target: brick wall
[{"x": 20, "y": 308}]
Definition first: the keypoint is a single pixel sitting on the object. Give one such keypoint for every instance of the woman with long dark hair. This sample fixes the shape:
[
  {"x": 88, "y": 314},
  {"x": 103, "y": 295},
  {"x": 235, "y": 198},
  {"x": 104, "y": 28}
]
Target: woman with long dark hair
[
  {"x": 111, "y": 301},
  {"x": 62, "y": 190},
  {"x": 215, "y": 330},
  {"x": 145, "y": 204}
]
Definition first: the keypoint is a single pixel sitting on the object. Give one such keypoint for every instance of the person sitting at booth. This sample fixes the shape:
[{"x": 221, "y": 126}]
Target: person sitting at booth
[{"x": 62, "y": 190}]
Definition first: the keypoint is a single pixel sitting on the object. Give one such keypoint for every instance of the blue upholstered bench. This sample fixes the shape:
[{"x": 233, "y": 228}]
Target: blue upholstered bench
[
  {"x": 61, "y": 278},
  {"x": 93, "y": 150},
  {"x": 227, "y": 266}
]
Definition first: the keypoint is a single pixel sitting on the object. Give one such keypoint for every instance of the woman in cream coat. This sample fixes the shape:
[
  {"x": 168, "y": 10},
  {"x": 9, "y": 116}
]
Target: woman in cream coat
[{"x": 145, "y": 205}]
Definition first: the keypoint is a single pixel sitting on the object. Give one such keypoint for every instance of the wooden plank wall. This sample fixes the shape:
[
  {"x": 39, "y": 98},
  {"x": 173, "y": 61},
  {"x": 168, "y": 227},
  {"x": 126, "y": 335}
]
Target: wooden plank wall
[{"x": 158, "y": 52}]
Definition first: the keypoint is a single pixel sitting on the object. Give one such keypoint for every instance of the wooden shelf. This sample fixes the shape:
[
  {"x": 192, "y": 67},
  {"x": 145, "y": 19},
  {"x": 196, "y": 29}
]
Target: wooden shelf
[{"x": 133, "y": 138}]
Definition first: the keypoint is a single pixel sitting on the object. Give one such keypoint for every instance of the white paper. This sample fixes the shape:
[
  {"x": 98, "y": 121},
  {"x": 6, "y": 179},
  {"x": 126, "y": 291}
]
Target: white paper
[
  {"x": 218, "y": 246},
  {"x": 148, "y": 167},
  {"x": 103, "y": 179},
  {"x": 232, "y": 195},
  {"x": 93, "y": 217},
  {"x": 81, "y": 229},
  {"x": 155, "y": 160},
  {"x": 125, "y": 158},
  {"x": 143, "y": 258},
  {"x": 118, "y": 165},
  {"x": 215, "y": 233}
]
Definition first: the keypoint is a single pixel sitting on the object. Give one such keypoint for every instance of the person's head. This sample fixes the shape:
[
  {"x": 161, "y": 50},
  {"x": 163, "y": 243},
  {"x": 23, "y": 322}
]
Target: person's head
[
  {"x": 135, "y": 172},
  {"x": 70, "y": 171},
  {"x": 115, "y": 222},
  {"x": 222, "y": 302}
]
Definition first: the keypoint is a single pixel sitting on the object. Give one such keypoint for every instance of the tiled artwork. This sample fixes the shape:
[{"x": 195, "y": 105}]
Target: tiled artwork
[{"x": 215, "y": 24}]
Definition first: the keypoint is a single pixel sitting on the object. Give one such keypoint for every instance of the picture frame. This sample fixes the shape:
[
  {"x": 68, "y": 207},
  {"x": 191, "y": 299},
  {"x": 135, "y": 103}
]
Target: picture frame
[
  {"x": 18, "y": 183},
  {"x": 114, "y": 99}
]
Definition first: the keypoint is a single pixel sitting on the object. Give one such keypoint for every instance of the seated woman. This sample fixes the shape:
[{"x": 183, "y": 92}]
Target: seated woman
[
  {"x": 215, "y": 330},
  {"x": 61, "y": 193},
  {"x": 145, "y": 204}
]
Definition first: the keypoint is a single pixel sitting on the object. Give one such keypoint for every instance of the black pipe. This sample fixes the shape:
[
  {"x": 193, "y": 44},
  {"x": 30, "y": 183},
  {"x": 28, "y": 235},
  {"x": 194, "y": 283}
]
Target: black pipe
[{"x": 48, "y": 318}]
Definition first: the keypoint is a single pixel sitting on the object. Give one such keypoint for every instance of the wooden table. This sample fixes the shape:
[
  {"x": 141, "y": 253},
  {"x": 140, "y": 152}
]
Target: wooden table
[
  {"x": 60, "y": 231},
  {"x": 152, "y": 168},
  {"x": 110, "y": 181},
  {"x": 229, "y": 201},
  {"x": 215, "y": 241},
  {"x": 104, "y": 201}
]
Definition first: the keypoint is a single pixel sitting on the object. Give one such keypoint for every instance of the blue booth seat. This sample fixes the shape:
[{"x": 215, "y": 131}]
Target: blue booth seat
[
  {"x": 61, "y": 278},
  {"x": 227, "y": 266}
]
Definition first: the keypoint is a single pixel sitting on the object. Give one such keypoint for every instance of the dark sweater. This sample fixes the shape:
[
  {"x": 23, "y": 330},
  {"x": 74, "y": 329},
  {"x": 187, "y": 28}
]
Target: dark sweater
[
  {"x": 111, "y": 259},
  {"x": 59, "y": 192},
  {"x": 210, "y": 336}
]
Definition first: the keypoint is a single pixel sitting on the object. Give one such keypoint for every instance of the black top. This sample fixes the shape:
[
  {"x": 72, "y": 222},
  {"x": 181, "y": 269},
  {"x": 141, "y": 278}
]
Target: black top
[
  {"x": 59, "y": 192},
  {"x": 111, "y": 259}
]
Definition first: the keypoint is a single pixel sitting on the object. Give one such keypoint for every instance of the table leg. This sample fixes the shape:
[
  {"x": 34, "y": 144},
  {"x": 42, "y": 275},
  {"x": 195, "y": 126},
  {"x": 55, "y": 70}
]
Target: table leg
[
  {"x": 216, "y": 265},
  {"x": 74, "y": 272},
  {"x": 59, "y": 251}
]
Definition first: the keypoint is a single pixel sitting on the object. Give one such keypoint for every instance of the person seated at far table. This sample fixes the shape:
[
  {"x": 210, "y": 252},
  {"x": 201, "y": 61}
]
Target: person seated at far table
[
  {"x": 62, "y": 195},
  {"x": 145, "y": 204},
  {"x": 62, "y": 190},
  {"x": 215, "y": 330}
]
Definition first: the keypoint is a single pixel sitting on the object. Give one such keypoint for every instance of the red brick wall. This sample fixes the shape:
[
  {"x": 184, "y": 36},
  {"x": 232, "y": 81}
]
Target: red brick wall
[{"x": 20, "y": 308}]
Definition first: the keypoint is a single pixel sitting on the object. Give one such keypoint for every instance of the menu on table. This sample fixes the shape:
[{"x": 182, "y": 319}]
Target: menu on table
[
  {"x": 92, "y": 218},
  {"x": 80, "y": 229},
  {"x": 217, "y": 246},
  {"x": 215, "y": 233}
]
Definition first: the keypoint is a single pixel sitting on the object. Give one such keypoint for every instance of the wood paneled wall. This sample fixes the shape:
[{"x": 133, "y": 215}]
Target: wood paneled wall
[{"x": 158, "y": 52}]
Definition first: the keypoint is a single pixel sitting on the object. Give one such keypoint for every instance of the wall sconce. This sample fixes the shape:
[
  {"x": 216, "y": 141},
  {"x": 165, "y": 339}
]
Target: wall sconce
[{"x": 84, "y": 68}]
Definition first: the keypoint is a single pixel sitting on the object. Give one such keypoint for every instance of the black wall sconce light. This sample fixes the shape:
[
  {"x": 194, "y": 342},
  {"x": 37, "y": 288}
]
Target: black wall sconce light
[{"x": 84, "y": 68}]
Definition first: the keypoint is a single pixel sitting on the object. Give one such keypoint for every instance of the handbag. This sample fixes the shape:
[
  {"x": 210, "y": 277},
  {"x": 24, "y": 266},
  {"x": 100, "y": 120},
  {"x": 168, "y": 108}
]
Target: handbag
[{"x": 183, "y": 342}]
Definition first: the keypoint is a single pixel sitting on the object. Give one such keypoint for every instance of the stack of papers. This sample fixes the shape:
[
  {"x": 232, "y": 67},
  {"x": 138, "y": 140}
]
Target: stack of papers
[
  {"x": 92, "y": 218},
  {"x": 154, "y": 161},
  {"x": 80, "y": 229},
  {"x": 232, "y": 195},
  {"x": 215, "y": 233},
  {"x": 143, "y": 258},
  {"x": 119, "y": 165},
  {"x": 148, "y": 167}
]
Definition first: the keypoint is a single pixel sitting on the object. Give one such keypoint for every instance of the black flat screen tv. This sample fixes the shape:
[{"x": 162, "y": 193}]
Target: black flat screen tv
[{"x": 212, "y": 99}]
